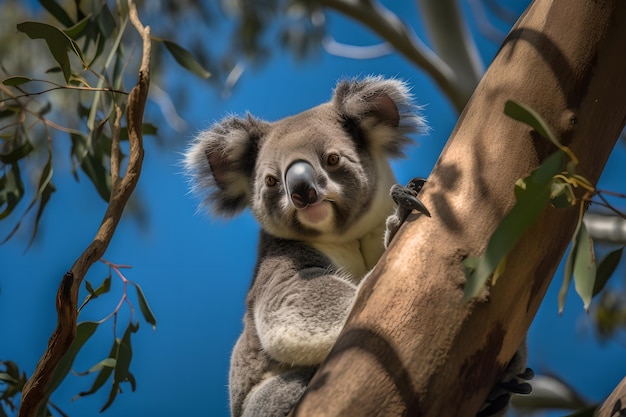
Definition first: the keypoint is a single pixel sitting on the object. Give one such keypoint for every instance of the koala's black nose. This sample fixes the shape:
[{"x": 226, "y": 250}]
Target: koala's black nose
[{"x": 301, "y": 186}]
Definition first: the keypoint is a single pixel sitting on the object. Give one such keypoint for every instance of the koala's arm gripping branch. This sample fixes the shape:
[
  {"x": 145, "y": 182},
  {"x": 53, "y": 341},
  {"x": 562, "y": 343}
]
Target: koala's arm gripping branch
[
  {"x": 34, "y": 394},
  {"x": 411, "y": 346}
]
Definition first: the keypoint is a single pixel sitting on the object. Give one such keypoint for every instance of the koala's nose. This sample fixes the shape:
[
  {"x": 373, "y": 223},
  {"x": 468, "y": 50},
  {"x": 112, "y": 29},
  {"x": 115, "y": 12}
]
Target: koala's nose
[{"x": 301, "y": 185}]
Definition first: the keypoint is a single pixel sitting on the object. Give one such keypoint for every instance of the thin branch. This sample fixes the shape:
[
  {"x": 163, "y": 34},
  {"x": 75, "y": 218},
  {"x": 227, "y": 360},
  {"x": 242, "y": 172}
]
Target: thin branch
[
  {"x": 35, "y": 392},
  {"x": 64, "y": 87}
]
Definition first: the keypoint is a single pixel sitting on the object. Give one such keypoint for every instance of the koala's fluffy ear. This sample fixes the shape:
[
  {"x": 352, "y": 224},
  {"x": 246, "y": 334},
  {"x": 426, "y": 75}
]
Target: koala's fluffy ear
[
  {"x": 220, "y": 163},
  {"x": 380, "y": 108}
]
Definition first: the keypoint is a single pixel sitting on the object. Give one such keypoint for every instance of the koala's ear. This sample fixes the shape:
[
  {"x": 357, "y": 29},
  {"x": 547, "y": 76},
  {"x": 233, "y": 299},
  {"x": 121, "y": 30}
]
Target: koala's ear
[
  {"x": 381, "y": 109},
  {"x": 220, "y": 163}
]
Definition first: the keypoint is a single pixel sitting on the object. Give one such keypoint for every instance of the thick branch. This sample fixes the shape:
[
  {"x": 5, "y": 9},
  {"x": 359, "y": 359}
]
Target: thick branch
[
  {"x": 34, "y": 394},
  {"x": 411, "y": 346}
]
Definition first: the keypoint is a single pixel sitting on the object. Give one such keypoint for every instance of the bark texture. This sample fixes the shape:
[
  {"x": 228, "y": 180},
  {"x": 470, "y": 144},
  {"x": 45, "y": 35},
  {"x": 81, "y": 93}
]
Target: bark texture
[{"x": 411, "y": 346}]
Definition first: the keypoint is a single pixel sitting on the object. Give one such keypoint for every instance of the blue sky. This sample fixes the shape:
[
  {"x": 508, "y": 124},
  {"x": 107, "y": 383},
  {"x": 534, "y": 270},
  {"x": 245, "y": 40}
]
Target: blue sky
[{"x": 195, "y": 271}]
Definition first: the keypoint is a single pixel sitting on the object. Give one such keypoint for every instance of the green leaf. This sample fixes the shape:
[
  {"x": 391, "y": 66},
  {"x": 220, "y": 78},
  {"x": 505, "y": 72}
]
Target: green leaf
[
  {"x": 104, "y": 373},
  {"x": 145, "y": 308},
  {"x": 11, "y": 190},
  {"x": 84, "y": 331},
  {"x": 584, "y": 267},
  {"x": 104, "y": 363},
  {"x": 186, "y": 59},
  {"x": 44, "y": 191},
  {"x": 569, "y": 266},
  {"x": 106, "y": 22},
  {"x": 121, "y": 372},
  {"x": 44, "y": 198},
  {"x": 527, "y": 115},
  {"x": 102, "y": 289},
  {"x": 58, "y": 43},
  {"x": 532, "y": 197},
  {"x": 606, "y": 269},
  {"x": 17, "y": 153},
  {"x": 56, "y": 10},
  {"x": 91, "y": 166},
  {"x": 16, "y": 80},
  {"x": 75, "y": 31},
  {"x": 125, "y": 354}
]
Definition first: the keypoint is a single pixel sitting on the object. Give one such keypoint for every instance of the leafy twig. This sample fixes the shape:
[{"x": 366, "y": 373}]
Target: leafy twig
[{"x": 35, "y": 391}]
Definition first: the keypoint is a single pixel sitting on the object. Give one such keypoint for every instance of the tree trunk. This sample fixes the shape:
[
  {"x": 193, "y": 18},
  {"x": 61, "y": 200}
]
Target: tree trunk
[{"x": 411, "y": 345}]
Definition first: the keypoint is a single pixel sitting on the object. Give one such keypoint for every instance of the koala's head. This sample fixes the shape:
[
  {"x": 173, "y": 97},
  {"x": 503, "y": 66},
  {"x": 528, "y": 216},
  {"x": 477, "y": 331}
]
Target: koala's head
[{"x": 321, "y": 174}]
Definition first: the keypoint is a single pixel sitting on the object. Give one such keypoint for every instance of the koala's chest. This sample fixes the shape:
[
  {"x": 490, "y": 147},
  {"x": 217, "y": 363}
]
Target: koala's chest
[{"x": 355, "y": 257}]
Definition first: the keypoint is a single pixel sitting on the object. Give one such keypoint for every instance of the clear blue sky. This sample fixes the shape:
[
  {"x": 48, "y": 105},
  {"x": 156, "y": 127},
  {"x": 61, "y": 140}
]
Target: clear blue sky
[{"x": 195, "y": 271}]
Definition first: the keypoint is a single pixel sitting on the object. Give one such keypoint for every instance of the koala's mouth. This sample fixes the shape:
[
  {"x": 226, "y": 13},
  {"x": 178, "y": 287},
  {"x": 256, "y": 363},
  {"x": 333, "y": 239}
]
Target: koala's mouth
[{"x": 316, "y": 213}]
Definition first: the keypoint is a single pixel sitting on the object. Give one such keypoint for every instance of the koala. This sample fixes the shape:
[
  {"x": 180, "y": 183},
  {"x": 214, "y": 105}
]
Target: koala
[{"x": 319, "y": 185}]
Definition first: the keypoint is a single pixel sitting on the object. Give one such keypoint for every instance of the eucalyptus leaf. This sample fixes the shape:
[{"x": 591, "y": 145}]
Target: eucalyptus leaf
[
  {"x": 145, "y": 308},
  {"x": 56, "y": 10},
  {"x": 16, "y": 80},
  {"x": 11, "y": 190},
  {"x": 121, "y": 370},
  {"x": 569, "y": 266},
  {"x": 75, "y": 31},
  {"x": 58, "y": 43},
  {"x": 84, "y": 330},
  {"x": 104, "y": 373},
  {"x": 606, "y": 268},
  {"x": 104, "y": 363},
  {"x": 527, "y": 115},
  {"x": 18, "y": 153},
  {"x": 44, "y": 198},
  {"x": 585, "y": 267},
  {"x": 186, "y": 59},
  {"x": 103, "y": 288},
  {"x": 92, "y": 166}
]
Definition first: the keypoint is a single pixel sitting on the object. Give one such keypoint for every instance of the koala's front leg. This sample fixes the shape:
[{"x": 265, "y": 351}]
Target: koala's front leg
[{"x": 406, "y": 201}]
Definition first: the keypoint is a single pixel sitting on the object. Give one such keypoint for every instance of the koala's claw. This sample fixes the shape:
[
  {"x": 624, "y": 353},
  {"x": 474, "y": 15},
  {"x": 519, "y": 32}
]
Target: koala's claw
[
  {"x": 406, "y": 197},
  {"x": 500, "y": 397},
  {"x": 517, "y": 387},
  {"x": 527, "y": 375}
]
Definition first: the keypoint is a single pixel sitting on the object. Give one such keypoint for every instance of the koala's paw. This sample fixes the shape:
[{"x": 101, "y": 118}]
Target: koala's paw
[
  {"x": 406, "y": 201},
  {"x": 406, "y": 197},
  {"x": 499, "y": 398}
]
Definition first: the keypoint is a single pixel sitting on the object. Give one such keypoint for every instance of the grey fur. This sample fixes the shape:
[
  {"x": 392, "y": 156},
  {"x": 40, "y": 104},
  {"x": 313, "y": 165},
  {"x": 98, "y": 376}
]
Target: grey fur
[{"x": 310, "y": 263}]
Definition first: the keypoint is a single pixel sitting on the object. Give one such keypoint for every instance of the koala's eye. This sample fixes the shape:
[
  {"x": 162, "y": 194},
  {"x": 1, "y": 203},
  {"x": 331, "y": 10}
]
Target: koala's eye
[
  {"x": 332, "y": 159},
  {"x": 270, "y": 181}
]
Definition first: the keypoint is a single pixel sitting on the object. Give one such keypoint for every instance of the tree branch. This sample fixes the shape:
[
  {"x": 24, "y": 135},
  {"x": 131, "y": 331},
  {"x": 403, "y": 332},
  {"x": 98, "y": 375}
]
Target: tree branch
[
  {"x": 411, "y": 346},
  {"x": 34, "y": 394},
  {"x": 389, "y": 27},
  {"x": 615, "y": 405}
]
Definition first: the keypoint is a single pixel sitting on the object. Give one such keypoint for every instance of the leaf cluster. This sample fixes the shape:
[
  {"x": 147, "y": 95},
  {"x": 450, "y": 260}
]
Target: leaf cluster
[
  {"x": 554, "y": 183},
  {"x": 90, "y": 53}
]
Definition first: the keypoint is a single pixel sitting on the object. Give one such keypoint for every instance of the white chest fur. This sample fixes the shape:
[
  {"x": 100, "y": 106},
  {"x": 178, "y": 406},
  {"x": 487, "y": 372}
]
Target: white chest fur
[{"x": 355, "y": 258}]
